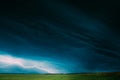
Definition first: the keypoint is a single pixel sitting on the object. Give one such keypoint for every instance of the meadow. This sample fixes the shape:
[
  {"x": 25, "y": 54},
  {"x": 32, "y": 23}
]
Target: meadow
[{"x": 59, "y": 77}]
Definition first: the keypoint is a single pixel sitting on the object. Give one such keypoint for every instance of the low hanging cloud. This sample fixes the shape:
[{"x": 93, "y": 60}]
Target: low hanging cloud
[{"x": 7, "y": 61}]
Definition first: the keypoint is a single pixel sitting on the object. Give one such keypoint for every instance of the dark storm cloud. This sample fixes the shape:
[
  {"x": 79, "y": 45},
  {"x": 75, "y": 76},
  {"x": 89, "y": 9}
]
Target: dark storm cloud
[{"x": 71, "y": 38}]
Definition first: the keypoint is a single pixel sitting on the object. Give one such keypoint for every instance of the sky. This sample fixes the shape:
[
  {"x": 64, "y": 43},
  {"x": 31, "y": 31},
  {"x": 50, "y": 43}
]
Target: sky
[{"x": 49, "y": 36}]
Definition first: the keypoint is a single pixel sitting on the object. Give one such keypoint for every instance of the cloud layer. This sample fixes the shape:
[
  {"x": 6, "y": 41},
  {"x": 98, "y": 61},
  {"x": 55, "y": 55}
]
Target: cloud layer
[{"x": 7, "y": 61}]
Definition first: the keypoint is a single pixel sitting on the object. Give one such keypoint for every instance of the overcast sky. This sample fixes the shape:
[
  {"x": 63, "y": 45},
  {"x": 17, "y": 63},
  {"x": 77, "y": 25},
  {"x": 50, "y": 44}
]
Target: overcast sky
[{"x": 67, "y": 36}]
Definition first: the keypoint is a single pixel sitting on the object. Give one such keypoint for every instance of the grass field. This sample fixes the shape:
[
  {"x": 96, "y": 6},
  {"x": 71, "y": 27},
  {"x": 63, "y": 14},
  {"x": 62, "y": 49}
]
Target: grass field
[{"x": 59, "y": 77}]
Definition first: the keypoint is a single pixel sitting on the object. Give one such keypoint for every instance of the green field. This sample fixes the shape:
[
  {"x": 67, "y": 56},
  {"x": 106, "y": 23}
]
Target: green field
[{"x": 59, "y": 77}]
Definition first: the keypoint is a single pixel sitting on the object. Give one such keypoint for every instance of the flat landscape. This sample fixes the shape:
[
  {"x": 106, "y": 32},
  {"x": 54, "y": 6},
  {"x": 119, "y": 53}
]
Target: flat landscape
[{"x": 60, "y": 76}]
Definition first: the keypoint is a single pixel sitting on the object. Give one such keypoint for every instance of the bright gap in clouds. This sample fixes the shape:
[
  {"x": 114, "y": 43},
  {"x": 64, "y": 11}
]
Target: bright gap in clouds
[{"x": 7, "y": 61}]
